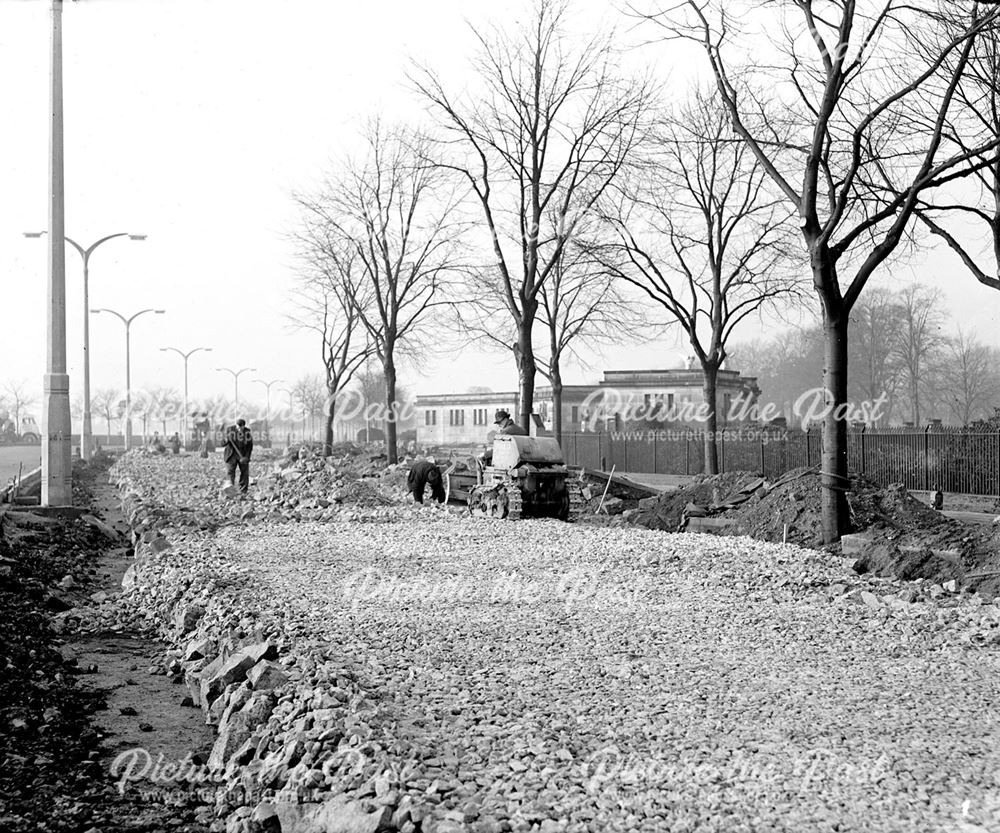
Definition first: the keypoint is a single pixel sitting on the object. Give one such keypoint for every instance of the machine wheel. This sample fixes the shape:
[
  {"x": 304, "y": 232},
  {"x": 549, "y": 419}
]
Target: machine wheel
[
  {"x": 30, "y": 439},
  {"x": 479, "y": 503},
  {"x": 508, "y": 502},
  {"x": 572, "y": 502}
]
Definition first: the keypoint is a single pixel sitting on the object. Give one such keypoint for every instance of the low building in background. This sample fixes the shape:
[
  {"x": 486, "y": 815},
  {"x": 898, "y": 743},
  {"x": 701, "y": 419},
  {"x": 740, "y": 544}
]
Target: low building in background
[
  {"x": 622, "y": 397},
  {"x": 460, "y": 418}
]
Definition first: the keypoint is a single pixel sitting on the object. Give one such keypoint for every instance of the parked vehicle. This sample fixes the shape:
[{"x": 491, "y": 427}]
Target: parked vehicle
[{"x": 9, "y": 434}]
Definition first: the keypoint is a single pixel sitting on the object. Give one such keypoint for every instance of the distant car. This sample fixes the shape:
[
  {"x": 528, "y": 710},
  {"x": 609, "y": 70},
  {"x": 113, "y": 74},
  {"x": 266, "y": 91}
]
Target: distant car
[
  {"x": 30, "y": 432},
  {"x": 29, "y": 435}
]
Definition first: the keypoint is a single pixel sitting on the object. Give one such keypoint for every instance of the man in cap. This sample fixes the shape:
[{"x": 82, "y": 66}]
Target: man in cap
[
  {"x": 239, "y": 447},
  {"x": 505, "y": 425}
]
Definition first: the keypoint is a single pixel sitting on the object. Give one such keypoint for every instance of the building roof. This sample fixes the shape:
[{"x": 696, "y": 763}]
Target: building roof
[
  {"x": 675, "y": 376},
  {"x": 491, "y": 398}
]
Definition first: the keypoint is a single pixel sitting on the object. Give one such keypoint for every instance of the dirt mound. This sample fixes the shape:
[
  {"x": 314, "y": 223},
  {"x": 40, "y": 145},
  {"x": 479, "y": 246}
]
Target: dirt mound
[
  {"x": 909, "y": 539},
  {"x": 910, "y": 564},
  {"x": 665, "y": 512}
]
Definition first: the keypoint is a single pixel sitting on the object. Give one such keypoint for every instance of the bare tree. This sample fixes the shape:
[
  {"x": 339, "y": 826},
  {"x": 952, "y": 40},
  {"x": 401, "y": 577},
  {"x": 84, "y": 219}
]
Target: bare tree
[
  {"x": 967, "y": 378},
  {"x": 309, "y": 392},
  {"x": 978, "y": 213},
  {"x": 327, "y": 304},
  {"x": 866, "y": 91},
  {"x": 581, "y": 305},
  {"x": 20, "y": 399},
  {"x": 874, "y": 325},
  {"x": 918, "y": 336},
  {"x": 539, "y": 141},
  {"x": 392, "y": 211},
  {"x": 698, "y": 231},
  {"x": 105, "y": 402},
  {"x": 785, "y": 365},
  {"x": 163, "y": 404}
]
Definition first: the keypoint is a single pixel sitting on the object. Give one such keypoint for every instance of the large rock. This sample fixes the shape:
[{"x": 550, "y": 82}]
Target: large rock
[
  {"x": 188, "y": 616},
  {"x": 338, "y": 815},
  {"x": 232, "y": 735},
  {"x": 266, "y": 675},
  {"x": 106, "y": 530},
  {"x": 222, "y": 672}
]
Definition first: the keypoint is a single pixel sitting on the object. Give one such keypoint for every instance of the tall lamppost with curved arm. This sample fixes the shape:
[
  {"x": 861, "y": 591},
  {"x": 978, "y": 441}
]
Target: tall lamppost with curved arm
[
  {"x": 128, "y": 363},
  {"x": 236, "y": 379},
  {"x": 267, "y": 406},
  {"x": 86, "y": 434},
  {"x": 185, "y": 356}
]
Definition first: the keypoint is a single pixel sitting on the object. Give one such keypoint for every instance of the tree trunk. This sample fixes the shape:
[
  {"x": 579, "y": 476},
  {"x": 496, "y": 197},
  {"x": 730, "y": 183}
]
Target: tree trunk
[
  {"x": 557, "y": 397},
  {"x": 389, "y": 368},
  {"x": 833, "y": 477},
  {"x": 526, "y": 369},
  {"x": 709, "y": 389},
  {"x": 328, "y": 432}
]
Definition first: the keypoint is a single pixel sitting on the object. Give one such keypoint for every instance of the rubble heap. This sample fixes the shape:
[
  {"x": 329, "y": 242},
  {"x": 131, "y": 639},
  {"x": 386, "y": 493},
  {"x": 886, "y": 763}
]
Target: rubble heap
[
  {"x": 443, "y": 674},
  {"x": 908, "y": 538}
]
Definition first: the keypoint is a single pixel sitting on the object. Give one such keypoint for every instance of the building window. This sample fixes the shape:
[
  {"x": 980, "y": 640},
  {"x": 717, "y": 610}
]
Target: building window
[
  {"x": 479, "y": 416},
  {"x": 543, "y": 411},
  {"x": 575, "y": 414},
  {"x": 430, "y": 418},
  {"x": 456, "y": 416}
]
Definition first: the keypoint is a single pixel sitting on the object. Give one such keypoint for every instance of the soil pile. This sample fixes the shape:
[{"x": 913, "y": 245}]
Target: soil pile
[
  {"x": 51, "y": 778},
  {"x": 666, "y": 511},
  {"x": 910, "y": 540}
]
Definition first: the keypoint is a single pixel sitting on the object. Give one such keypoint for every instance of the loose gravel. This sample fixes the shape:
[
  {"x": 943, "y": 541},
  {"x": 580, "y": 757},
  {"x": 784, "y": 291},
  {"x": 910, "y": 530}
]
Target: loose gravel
[{"x": 440, "y": 674}]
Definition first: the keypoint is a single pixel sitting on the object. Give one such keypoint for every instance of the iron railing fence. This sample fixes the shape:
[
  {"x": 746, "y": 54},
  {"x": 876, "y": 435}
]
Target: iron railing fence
[{"x": 952, "y": 459}]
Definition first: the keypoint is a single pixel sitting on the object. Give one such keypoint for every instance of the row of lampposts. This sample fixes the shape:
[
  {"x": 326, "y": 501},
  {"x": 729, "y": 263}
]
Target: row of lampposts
[
  {"x": 86, "y": 434},
  {"x": 56, "y": 485}
]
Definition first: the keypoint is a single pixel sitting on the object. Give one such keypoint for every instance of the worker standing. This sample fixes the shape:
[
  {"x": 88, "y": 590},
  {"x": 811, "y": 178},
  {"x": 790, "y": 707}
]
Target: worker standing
[
  {"x": 239, "y": 447},
  {"x": 425, "y": 473}
]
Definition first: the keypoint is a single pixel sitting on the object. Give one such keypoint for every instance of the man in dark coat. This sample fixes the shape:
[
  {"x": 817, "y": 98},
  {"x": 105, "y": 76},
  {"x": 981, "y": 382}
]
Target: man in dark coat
[
  {"x": 239, "y": 447},
  {"x": 425, "y": 473},
  {"x": 505, "y": 425}
]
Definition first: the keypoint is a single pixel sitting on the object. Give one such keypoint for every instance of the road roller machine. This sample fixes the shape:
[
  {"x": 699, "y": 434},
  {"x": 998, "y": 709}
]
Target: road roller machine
[{"x": 527, "y": 477}]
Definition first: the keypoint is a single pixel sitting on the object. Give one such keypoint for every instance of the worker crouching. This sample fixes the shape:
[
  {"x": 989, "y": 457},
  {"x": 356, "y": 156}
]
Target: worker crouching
[{"x": 425, "y": 473}]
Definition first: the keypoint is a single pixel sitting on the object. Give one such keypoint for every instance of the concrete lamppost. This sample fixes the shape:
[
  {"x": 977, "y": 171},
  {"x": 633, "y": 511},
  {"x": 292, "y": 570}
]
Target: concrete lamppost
[
  {"x": 267, "y": 406},
  {"x": 236, "y": 380},
  {"x": 57, "y": 466},
  {"x": 128, "y": 364},
  {"x": 185, "y": 356},
  {"x": 87, "y": 433}
]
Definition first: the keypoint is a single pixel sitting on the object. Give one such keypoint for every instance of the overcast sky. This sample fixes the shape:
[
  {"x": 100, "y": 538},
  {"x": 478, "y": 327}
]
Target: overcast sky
[{"x": 192, "y": 121}]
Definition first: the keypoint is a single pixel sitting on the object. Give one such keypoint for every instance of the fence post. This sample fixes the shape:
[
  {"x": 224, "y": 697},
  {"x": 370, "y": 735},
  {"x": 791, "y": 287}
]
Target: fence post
[
  {"x": 808, "y": 450},
  {"x": 927, "y": 460},
  {"x": 687, "y": 452},
  {"x": 864, "y": 430},
  {"x": 722, "y": 454},
  {"x": 654, "y": 451},
  {"x": 761, "y": 452}
]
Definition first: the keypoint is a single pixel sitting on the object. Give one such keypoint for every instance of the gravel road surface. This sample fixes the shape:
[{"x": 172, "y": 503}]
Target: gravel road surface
[{"x": 545, "y": 676}]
